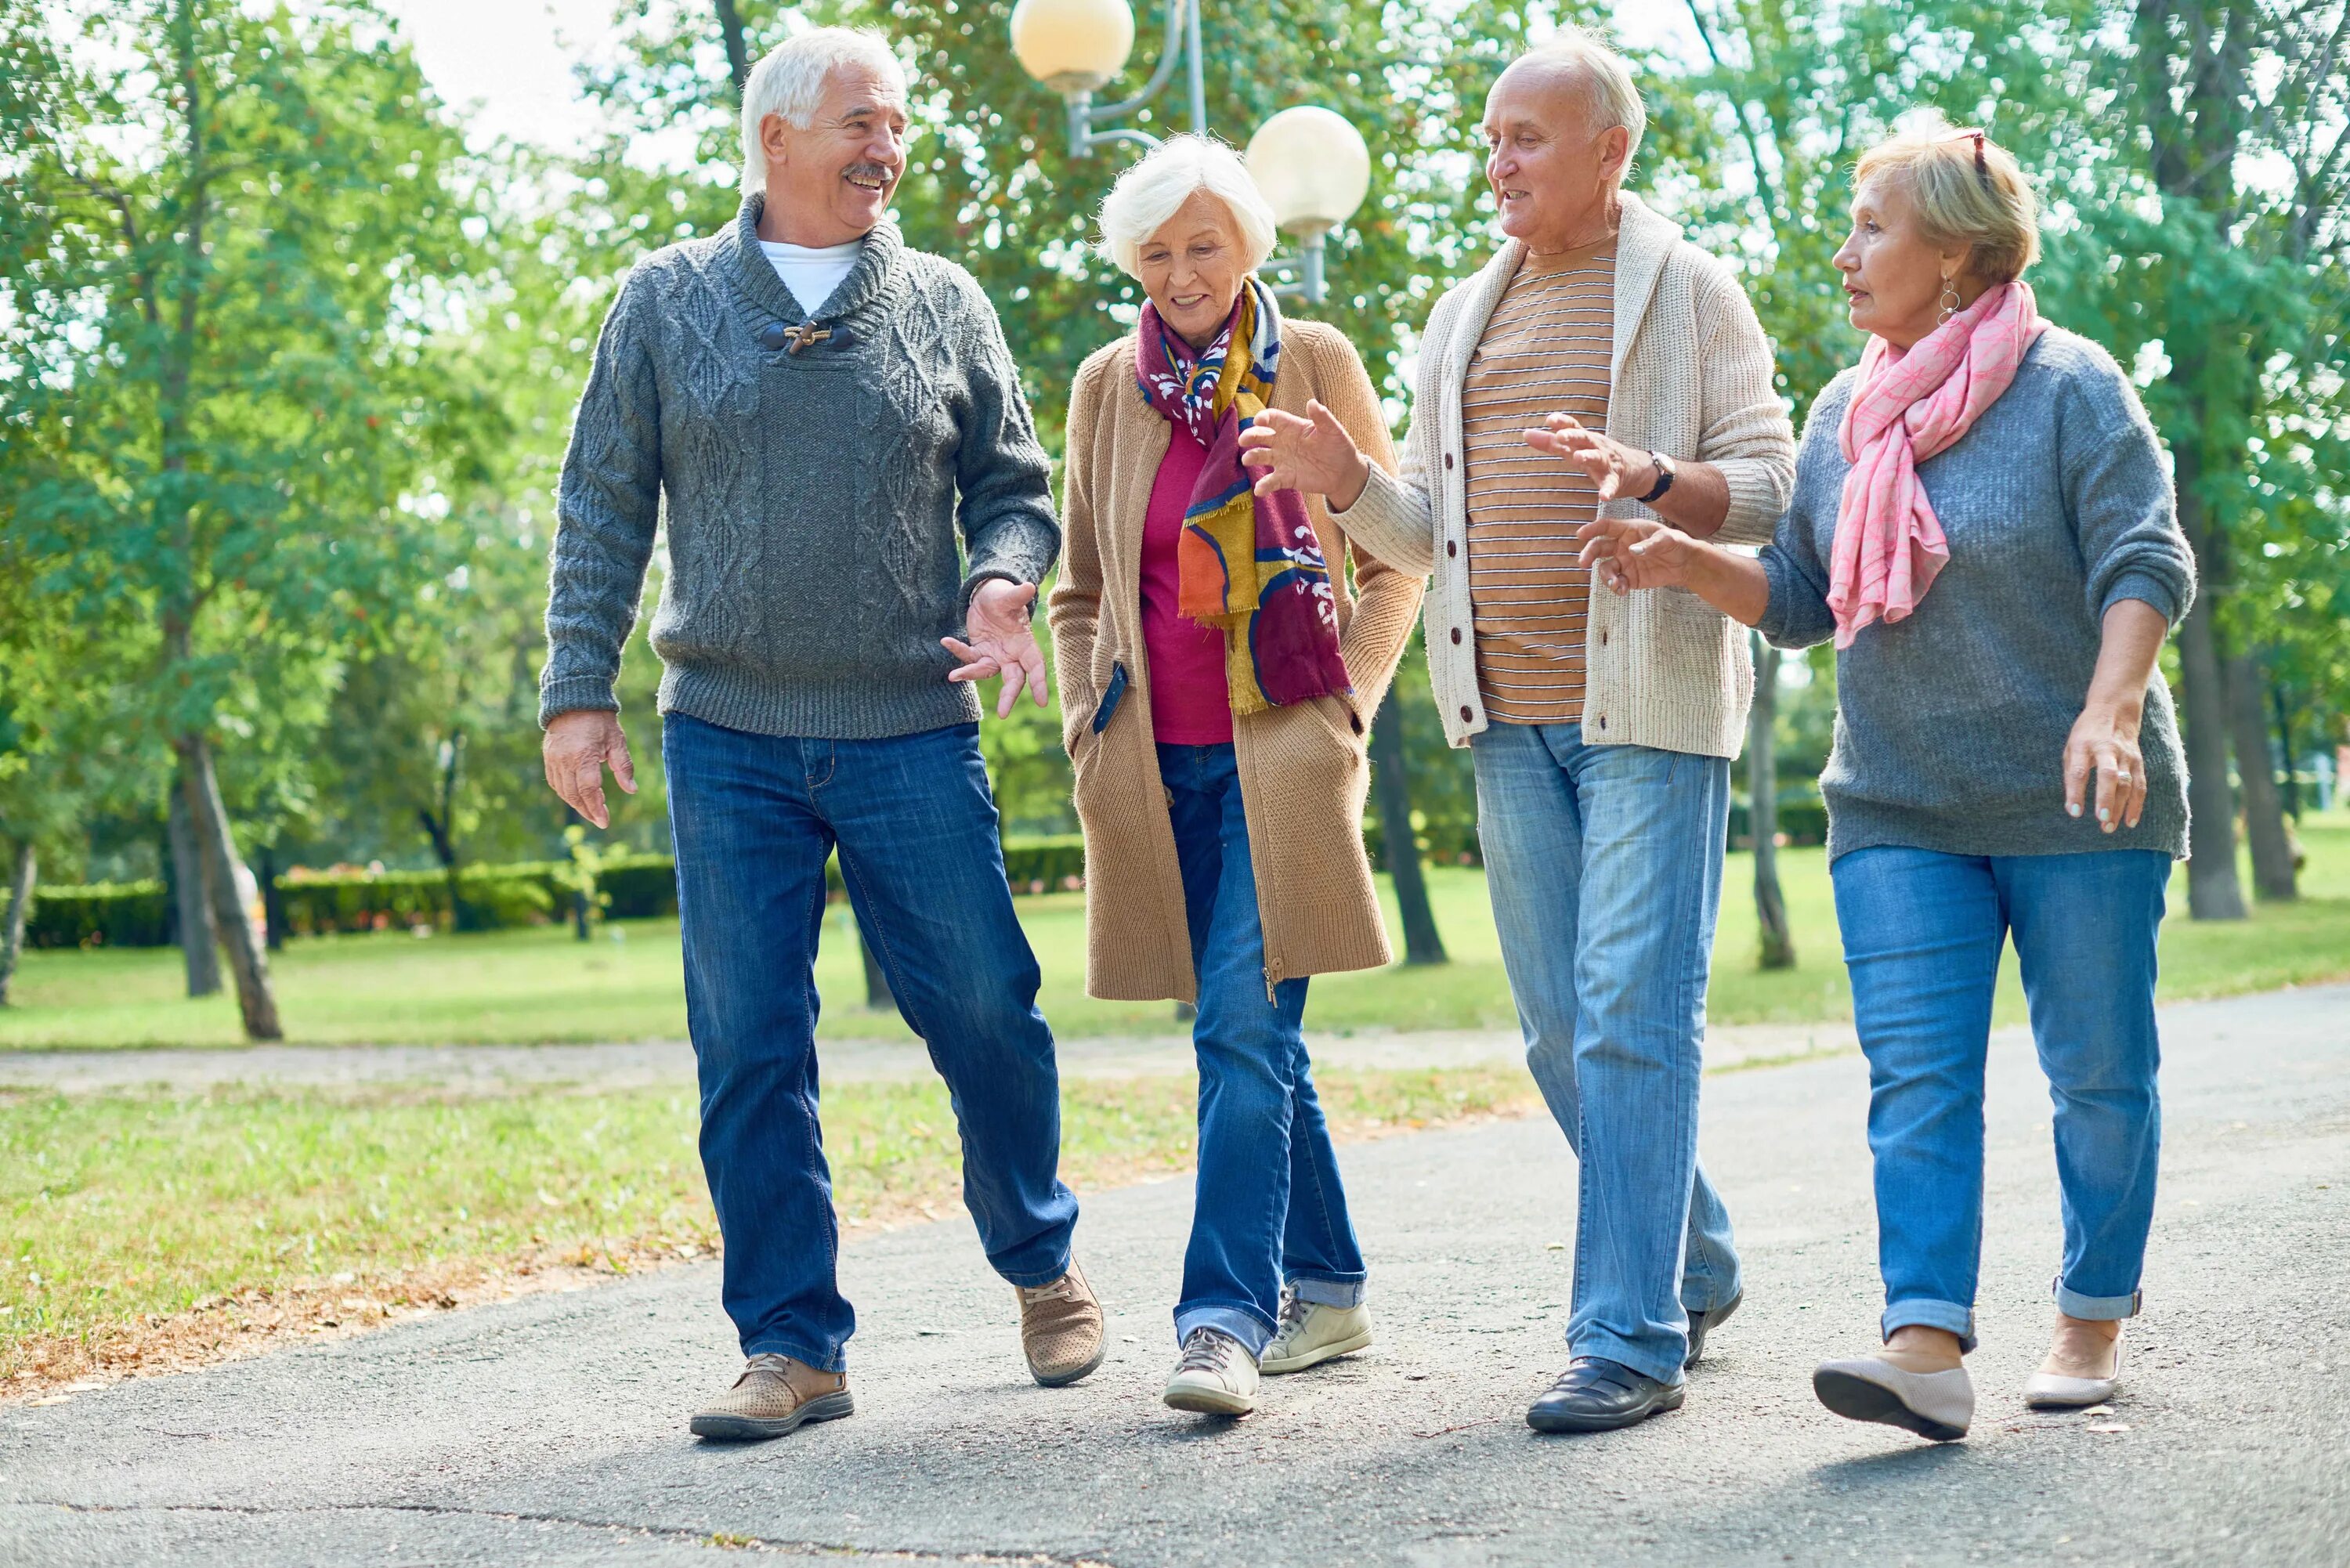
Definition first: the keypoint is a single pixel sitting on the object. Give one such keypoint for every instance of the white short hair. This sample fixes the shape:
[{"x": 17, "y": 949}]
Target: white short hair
[
  {"x": 790, "y": 82},
  {"x": 1615, "y": 98},
  {"x": 1152, "y": 190}
]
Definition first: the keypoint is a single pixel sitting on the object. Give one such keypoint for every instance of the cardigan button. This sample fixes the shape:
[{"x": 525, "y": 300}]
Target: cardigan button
[
  {"x": 1448, "y": 459},
  {"x": 1603, "y": 638},
  {"x": 1452, "y": 547},
  {"x": 1603, "y": 720},
  {"x": 1456, "y": 634},
  {"x": 1465, "y": 715},
  {"x": 774, "y": 335}
]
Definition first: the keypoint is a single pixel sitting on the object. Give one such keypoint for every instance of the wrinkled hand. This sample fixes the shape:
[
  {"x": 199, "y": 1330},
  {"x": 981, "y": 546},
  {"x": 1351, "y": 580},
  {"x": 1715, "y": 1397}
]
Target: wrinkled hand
[
  {"x": 577, "y": 746},
  {"x": 1635, "y": 553},
  {"x": 2103, "y": 741},
  {"x": 1313, "y": 455},
  {"x": 1615, "y": 468},
  {"x": 1002, "y": 643}
]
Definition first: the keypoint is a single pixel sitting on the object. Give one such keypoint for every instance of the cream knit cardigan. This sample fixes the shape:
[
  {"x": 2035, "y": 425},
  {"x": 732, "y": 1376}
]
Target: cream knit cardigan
[{"x": 1692, "y": 378}]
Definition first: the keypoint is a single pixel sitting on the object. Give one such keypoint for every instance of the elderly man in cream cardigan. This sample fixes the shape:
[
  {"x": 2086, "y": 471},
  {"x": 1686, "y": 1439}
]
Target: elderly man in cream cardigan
[{"x": 1599, "y": 364}]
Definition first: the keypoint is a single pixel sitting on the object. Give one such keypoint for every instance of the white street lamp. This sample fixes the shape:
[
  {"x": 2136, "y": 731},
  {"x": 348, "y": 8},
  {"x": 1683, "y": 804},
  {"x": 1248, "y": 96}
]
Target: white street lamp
[
  {"x": 1310, "y": 163},
  {"x": 1314, "y": 170}
]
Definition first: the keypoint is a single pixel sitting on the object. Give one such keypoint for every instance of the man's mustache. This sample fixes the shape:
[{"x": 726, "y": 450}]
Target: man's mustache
[{"x": 868, "y": 172}]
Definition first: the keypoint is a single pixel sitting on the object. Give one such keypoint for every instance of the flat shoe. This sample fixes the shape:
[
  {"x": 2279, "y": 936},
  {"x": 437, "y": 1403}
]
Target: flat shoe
[
  {"x": 1937, "y": 1405},
  {"x": 2055, "y": 1391}
]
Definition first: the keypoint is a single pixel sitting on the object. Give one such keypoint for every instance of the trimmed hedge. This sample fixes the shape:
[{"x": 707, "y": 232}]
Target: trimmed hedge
[{"x": 492, "y": 898}]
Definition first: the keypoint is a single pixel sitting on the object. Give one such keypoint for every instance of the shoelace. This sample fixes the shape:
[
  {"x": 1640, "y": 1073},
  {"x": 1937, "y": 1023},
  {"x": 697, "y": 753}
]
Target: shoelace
[
  {"x": 1063, "y": 1288},
  {"x": 1203, "y": 1352},
  {"x": 1294, "y": 1309}
]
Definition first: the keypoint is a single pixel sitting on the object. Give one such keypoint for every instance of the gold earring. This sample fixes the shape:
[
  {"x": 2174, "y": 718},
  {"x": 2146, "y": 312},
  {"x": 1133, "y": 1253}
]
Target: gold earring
[{"x": 1950, "y": 302}]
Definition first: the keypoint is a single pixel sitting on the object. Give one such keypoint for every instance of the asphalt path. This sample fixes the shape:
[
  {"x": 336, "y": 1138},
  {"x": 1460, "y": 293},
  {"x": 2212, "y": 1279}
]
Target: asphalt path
[{"x": 551, "y": 1429}]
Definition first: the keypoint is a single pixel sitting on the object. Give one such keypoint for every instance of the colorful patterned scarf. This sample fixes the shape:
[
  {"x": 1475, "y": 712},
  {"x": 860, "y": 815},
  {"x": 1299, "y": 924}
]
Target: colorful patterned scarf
[
  {"x": 1248, "y": 564},
  {"x": 1907, "y": 407}
]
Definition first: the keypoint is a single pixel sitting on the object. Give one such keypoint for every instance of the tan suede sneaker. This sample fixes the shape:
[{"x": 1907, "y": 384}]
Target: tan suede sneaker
[
  {"x": 775, "y": 1394},
  {"x": 1061, "y": 1329}
]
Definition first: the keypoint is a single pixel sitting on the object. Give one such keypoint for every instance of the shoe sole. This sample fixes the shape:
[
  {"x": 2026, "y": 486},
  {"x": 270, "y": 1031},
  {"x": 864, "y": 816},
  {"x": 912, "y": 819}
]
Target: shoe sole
[
  {"x": 2067, "y": 1401},
  {"x": 1208, "y": 1402},
  {"x": 1559, "y": 1421},
  {"x": 754, "y": 1429},
  {"x": 1062, "y": 1379},
  {"x": 1858, "y": 1399},
  {"x": 1316, "y": 1356}
]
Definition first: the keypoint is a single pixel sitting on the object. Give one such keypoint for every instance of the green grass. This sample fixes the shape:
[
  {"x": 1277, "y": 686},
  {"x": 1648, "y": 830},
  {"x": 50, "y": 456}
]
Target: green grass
[
  {"x": 118, "y": 1207},
  {"x": 540, "y": 985}
]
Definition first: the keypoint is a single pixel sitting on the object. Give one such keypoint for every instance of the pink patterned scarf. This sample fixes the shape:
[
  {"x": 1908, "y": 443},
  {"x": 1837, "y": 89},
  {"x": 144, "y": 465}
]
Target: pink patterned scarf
[{"x": 1907, "y": 407}]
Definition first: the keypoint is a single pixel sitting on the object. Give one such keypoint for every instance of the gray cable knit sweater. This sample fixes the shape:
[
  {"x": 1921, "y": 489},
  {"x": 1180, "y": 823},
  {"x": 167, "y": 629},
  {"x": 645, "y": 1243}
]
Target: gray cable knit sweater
[
  {"x": 812, "y": 496},
  {"x": 1950, "y": 726}
]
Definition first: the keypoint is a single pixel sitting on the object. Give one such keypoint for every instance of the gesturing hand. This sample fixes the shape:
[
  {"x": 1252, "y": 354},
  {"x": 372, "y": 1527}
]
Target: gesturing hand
[
  {"x": 1635, "y": 553},
  {"x": 2103, "y": 741},
  {"x": 1002, "y": 643},
  {"x": 1313, "y": 455},
  {"x": 1615, "y": 468},
  {"x": 577, "y": 745}
]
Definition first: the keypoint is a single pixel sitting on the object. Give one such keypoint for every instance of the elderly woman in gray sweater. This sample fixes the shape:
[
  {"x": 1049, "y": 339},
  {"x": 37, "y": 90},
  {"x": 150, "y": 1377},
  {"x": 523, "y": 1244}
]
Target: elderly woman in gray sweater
[{"x": 1983, "y": 524}]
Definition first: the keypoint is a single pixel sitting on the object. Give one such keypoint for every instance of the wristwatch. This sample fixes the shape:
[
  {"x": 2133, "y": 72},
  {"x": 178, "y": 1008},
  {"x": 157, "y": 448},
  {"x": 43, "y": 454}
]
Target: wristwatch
[{"x": 1664, "y": 478}]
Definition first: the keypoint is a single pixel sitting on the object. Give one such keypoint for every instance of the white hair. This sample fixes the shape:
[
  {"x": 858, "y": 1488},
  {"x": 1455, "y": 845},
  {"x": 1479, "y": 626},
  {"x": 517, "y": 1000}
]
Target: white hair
[
  {"x": 1151, "y": 190},
  {"x": 1614, "y": 98},
  {"x": 790, "y": 82}
]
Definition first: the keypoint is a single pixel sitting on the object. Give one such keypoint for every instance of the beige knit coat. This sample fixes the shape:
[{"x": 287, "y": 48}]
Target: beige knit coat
[
  {"x": 1303, "y": 770},
  {"x": 1692, "y": 378}
]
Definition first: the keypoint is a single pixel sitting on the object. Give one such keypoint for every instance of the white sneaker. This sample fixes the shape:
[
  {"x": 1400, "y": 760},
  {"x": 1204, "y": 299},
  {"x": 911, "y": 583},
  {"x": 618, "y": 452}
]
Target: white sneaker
[
  {"x": 2055, "y": 1391},
  {"x": 1216, "y": 1376},
  {"x": 1313, "y": 1333},
  {"x": 1937, "y": 1405}
]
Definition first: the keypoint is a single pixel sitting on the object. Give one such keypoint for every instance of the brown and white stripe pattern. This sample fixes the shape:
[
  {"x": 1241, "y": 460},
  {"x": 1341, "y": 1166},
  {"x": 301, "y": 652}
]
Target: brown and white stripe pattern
[{"x": 1546, "y": 350}]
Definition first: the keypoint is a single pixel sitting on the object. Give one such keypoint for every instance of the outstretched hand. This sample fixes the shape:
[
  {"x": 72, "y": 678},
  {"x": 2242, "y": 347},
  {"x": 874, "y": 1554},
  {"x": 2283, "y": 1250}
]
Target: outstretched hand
[
  {"x": 1000, "y": 643},
  {"x": 1615, "y": 468},
  {"x": 1313, "y": 455},
  {"x": 1635, "y": 553}
]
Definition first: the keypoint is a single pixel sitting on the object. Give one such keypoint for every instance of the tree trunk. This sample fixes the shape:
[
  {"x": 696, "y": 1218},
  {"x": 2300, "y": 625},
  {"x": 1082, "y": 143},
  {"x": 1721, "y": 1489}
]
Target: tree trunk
[
  {"x": 2286, "y": 746},
  {"x": 199, "y": 942},
  {"x": 247, "y": 962},
  {"x": 1778, "y": 941},
  {"x": 20, "y": 905},
  {"x": 730, "y": 33},
  {"x": 2248, "y": 717},
  {"x": 2213, "y": 893},
  {"x": 878, "y": 995},
  {"x": 1391, "y": 783},
  {"x": 273, "y": 901}
]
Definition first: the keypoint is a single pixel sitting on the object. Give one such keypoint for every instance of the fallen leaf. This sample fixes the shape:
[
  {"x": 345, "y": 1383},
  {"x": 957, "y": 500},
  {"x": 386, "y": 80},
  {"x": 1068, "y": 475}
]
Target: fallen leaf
[{"x": 2109, "y": 1426}]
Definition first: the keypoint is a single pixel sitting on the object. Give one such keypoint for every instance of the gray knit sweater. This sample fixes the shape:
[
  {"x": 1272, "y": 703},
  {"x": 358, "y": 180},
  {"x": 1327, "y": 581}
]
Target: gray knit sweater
[
  {"x": 1950, "y": 725},
  {"x": 812, "y": 497}
]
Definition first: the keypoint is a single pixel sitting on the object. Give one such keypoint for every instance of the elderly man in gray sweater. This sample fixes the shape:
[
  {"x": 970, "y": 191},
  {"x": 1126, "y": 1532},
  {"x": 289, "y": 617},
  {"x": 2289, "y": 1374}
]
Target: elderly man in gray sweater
[{"x": 822, "y": 409}]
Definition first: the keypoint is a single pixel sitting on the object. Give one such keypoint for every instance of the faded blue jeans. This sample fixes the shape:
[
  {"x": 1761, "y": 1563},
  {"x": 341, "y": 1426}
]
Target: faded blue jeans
[
  {"x": 754, "y": 818},
  {"x": 1269, "y": 1206},
  {"x": 1922, "y": 935},
  {"x": 1603, "y": 864}
]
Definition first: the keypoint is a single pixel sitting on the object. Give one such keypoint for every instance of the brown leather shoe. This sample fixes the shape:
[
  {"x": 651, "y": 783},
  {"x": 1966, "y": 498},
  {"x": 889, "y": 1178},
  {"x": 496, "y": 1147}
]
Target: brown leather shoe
[
  {"x": 1061, "y": 1329},
  {"x": 775, "y": 1394}
]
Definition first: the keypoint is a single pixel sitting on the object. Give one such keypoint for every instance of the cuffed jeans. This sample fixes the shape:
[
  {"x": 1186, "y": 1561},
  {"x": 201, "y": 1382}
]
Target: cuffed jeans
[
  {"x": 1269, "y": 1205},
  {"x": 1922, "y": 935},
  {"x": 1605, "y": 867},
  {"x": 754, "y": 818}
]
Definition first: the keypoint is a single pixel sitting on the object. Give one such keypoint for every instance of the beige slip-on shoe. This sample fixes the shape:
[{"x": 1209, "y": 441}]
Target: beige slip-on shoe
[
  {"x": 1061, "y": 1329},
  {"x": 774, "y": 1395},
  {"x": 1937, "y": 1405},
  {"x": 2046, "y": 1390},
  {"x": 1312, "y": 1332}
]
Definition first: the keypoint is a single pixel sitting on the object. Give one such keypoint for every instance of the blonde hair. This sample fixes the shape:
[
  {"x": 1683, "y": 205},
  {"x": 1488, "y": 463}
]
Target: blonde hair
[
  {"x": 1152, "y": 190},
  {"x": 1968, "y": 191}
]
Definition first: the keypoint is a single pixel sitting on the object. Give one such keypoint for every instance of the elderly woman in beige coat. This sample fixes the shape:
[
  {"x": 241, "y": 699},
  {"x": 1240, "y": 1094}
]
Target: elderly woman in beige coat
[{"x": 1218, "y": 674}]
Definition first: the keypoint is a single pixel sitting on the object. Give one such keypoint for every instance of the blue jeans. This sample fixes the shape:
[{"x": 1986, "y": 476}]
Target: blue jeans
[
  {"x": 1269, "y": 1205},
  {"x": 754, "y": 818},
  {"x": 1605, "y": 867},
  {"x": 1922, "y": 934}
]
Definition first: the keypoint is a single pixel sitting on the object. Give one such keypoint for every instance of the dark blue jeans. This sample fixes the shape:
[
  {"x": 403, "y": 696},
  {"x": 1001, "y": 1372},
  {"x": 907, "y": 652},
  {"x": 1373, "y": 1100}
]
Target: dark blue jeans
[
  {"x": 1269, "y": 1205},
  {"x": 754, "y": 818},
  {"x": 1922, "y": 935}
]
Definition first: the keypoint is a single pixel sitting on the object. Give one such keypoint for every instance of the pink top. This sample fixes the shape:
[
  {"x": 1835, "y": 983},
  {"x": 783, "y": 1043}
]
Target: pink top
[{"x": 1189, "y": 703}]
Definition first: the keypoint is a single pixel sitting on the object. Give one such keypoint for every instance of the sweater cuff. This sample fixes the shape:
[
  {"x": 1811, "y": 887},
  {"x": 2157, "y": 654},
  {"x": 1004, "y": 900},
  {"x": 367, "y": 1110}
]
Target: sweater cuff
[
  {"x": 556, "y": 698},
  {"x": 1394, "y": 521},
  {"x": 2147, "y": 588},
  {"x": 1021, "y": 553},
  {"x": 1755, "y": 502}
]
